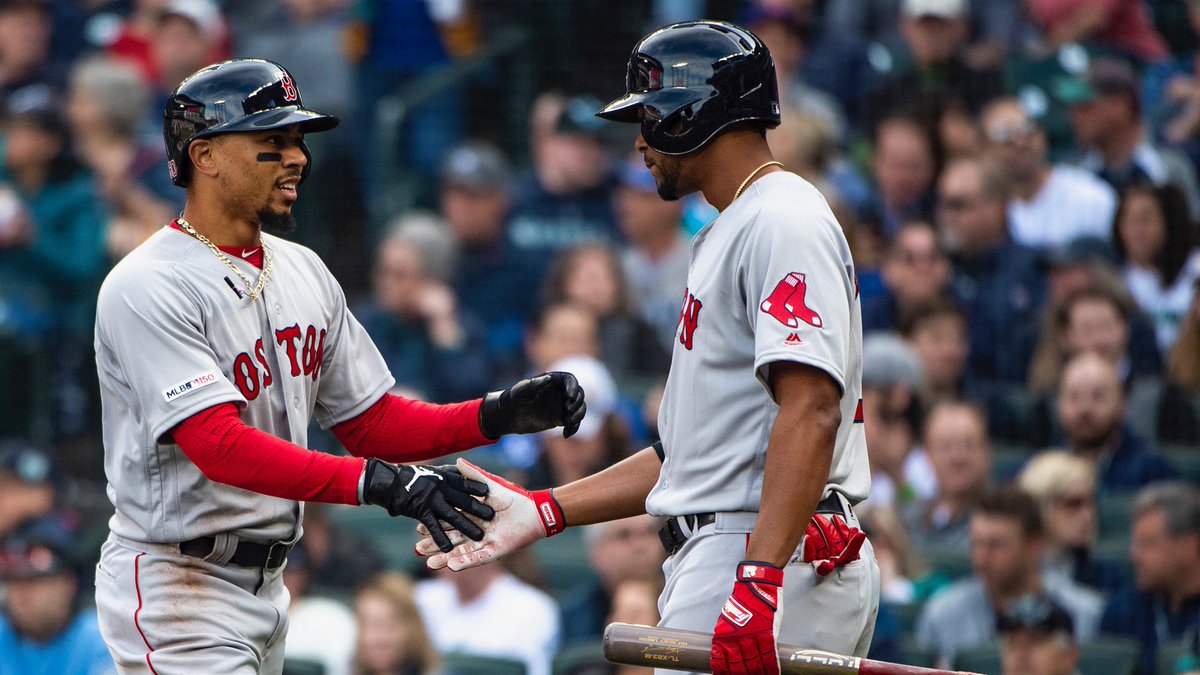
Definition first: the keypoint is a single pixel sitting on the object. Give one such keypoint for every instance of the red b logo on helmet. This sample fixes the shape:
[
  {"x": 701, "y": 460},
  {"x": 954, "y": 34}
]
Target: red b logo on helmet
[{"x": 289, "y": 88}]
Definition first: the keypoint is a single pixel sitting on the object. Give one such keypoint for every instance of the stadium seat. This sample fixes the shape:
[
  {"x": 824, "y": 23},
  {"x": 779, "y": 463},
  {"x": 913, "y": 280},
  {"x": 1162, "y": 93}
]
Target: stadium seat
[
  {"x": 1185, "y": 458},
  {"x": 585, "y": 658},
  {"x": 563, "y": 559},
  {"x": 1169, "y": 656},
  {"x": 394, "y": 538},
  {"x": 456, "y": 663},
  {"x": 1110, "y": 655},
  {"x": 1112, "y": 511},
  {"x": 915, "y": 655},
  {"x": 1008, "y": 460},
  {"x": 293, "y": 666},
  {"x": 953, "y": 562},
  {"x": 984, "y": 659},
  {"x": 906, "y": 615}
]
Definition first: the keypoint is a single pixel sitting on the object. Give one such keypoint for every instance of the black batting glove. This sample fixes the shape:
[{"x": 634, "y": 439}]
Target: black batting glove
[
  {"x": 430, "y": 494},
  {"x": 539, "y": 403}
]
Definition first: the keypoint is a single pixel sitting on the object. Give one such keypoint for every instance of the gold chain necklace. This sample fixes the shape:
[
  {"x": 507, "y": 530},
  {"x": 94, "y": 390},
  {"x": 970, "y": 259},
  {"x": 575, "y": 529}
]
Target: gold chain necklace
[
  {"x": 253, "y": 289},
  {"x": 752, "y": 175}
]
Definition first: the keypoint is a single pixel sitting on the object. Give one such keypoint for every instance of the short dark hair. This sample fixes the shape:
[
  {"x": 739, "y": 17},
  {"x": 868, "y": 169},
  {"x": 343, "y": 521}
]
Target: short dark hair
[
  {"x": 1094, "y": 292},
  {"x": 1014, "y": 504},
  {"x": 912, "y": 318}
]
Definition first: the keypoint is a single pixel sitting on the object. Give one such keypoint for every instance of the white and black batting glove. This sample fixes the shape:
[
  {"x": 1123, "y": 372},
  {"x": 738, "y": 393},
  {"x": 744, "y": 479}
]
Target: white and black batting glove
[
  {"x": 535, "y": 404},
  {"x": 430, "y": 494},
  {"x": 522, "y": 517}
]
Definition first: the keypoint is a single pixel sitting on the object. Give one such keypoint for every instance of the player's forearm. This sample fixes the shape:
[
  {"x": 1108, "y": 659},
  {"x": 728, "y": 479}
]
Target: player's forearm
[
  {"x": 616, "y": 492},
  {"x": 799, "y": 453},
  {"x": 226, "y": 450},
  {"x": 798, "y": 459},
  {"x": 398, "y": 429}
]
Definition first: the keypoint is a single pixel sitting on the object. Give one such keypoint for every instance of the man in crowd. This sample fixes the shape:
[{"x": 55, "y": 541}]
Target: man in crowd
[{"x": 1036, "y": 638}]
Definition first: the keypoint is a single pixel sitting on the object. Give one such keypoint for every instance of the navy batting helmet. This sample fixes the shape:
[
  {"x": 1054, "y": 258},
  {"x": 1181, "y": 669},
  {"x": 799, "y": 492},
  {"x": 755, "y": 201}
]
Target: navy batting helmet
[
  {"x": 232, "y": 96},
  {"x": 688, "y": 81}
]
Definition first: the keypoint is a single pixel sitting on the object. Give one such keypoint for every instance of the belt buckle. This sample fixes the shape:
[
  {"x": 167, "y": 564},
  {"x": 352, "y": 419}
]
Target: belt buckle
[{"x": 277, "y": 552}]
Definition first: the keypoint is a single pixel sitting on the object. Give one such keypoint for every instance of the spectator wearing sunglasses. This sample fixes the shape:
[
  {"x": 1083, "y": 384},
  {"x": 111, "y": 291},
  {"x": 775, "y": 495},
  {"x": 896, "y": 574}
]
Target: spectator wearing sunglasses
[{"x": 1051, "y": 204}]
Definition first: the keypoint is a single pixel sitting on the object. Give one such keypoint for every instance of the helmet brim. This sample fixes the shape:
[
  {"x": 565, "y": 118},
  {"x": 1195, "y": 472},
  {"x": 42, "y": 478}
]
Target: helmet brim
[
  {"x": 310, "y": 122},
  {"x": 665, "y": 101}
]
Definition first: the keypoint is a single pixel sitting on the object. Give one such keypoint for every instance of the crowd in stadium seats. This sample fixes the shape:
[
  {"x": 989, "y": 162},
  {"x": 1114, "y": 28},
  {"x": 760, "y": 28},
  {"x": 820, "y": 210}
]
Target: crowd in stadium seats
[{"x": 1017, "y": 180}]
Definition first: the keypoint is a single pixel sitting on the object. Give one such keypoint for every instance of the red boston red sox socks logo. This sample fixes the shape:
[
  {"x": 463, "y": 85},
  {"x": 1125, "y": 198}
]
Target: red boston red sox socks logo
[{"x": 786, "y": 303}]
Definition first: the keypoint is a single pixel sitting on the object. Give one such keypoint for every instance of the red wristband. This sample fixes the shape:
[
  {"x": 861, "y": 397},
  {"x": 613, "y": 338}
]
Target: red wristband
[{"x": 759, "y": 572}]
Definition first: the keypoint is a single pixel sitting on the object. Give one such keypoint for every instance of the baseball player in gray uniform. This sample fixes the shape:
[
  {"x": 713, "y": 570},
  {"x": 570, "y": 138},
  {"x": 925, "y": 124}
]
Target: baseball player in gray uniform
[
  {"x": 762, "y": 453},
  {"x": 215, "y": 342}
]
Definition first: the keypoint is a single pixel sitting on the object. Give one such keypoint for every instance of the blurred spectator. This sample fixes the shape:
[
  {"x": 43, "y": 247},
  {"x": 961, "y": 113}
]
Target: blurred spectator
[
  {"x": 429, "y": 343},
  {"x": 1065, "y": 487},
  {"x": 934, "y": 65},
  {"x": 1036, "y": 638},
  {"x": 190, "y": 35},
  {"x": 132, "y": 38},
  {"x": 1165, "y": 550},
  {"x": 1006, "y": 544},
  {"x": 486, "y": 611},
  {"x": 320, "y": 630},
  {"x": 602, "y": 439},
  {"x": 1171, "y": 91},
  {"x": 1095, "y": 319},
  {"x": 392, "y": 637},
  {"x": 1051, "y": 204},
  {"x": 994, "y": 25},
  {"x": 808, "y": 146},
  {"x": 559, "y": 331},
  {"x": 44, "y": 628},
  {"x": 1106, "y": 116},
  {"x": 1183, "y": 366},
  {"x": 904, "y": 164},
  {"x": 915, "y": 271},
  {"x": 106, "y": 108},
  {"x": 619, "y": 552},
  {"x": 338, "y": 560},
  {"x": 26, "y": 27},
  {"x": 566, "y": 201},
  {"x": 28, "y": 484},
  {"x": 656, "y": 262},
  {"x": 996, "y": 279},
  {"x": 787, "y": 36},
  {"x": 493, "y": 279},
  {"x": 891, "y": 382},
  {"x": 937, "y": 331},
  {"x": 395, "y": 43},
  {"x": 1091, "y": 409},
  {"x": 956, "y": 441},
  {"x": 1122, "y": 25},
  {"x": 903, "y": 577},
  {"x": 1154, "y": 237},
  {"x": 635, "y": 601},
  {"x": 52, "y": 260},
  {"x": 592, "y": 276}
]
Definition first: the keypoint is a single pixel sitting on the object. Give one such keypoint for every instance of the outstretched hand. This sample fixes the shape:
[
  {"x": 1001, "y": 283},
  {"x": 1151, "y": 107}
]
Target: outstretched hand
[
  {"x": 543, "y": 402},
  {"x": 521, "y": 518}
]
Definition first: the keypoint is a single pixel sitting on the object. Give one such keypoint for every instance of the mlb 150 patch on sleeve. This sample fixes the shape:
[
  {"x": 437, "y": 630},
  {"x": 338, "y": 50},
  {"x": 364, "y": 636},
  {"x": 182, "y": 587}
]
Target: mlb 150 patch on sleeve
[{"x": 189, "y": 385}]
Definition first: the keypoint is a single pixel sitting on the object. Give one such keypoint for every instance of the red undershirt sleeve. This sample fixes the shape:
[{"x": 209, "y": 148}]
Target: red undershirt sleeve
[
  {"x": 229, "y": 451},
  {"x": 398, "y": 429}
]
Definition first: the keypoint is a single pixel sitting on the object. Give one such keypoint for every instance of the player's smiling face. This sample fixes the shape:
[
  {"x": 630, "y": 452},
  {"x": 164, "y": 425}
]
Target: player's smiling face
[{"x": 264, "y": 170}]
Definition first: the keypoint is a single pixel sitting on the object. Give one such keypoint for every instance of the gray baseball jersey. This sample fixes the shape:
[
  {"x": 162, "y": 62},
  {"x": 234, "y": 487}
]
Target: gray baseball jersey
[
  {"x": 771, "y": 279},
  {"x": 176, "y": 335}
]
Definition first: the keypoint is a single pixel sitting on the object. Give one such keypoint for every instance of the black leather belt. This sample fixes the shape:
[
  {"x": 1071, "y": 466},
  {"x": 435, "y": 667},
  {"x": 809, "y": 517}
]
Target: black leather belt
[
  {"x": 681, "y": 528},
  {"x": 247, "y": 553}
]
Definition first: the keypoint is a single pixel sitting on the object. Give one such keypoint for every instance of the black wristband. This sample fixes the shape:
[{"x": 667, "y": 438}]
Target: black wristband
[{"x": 658, "y": 450}]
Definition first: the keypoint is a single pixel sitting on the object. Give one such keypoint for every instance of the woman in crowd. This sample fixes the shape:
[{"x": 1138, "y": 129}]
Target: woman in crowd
[
  {"x": 1065, "y": 487},
  {"x": 392, "y": 639},
  {"x": 1153, "y": 237}
]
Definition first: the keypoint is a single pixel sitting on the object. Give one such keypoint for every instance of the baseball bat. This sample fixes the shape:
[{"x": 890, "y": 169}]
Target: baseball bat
[{"x": 673, "y": 649}]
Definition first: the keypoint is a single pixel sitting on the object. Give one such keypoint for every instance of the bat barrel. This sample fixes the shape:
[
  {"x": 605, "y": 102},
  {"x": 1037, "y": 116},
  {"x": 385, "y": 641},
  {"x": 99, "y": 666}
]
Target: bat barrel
[{"x": 674, "y": 649}]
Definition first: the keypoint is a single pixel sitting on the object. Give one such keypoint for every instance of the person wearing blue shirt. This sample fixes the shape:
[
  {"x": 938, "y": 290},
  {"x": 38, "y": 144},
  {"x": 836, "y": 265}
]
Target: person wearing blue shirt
[
  {"x": 1164, "y": 607},
  {"x": 42, "y": 629}
]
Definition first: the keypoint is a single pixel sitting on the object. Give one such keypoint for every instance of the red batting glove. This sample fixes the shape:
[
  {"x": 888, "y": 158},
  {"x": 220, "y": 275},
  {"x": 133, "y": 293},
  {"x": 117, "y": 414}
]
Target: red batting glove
[
  {"x": 744, "y": 637},
  {"x": 829, "y": 542}
]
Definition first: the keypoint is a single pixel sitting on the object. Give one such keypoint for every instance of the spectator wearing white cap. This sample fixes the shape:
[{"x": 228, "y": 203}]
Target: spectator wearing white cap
[
  {"x": 602, "y": 439},
  {"x": 892, "y": 379}
]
